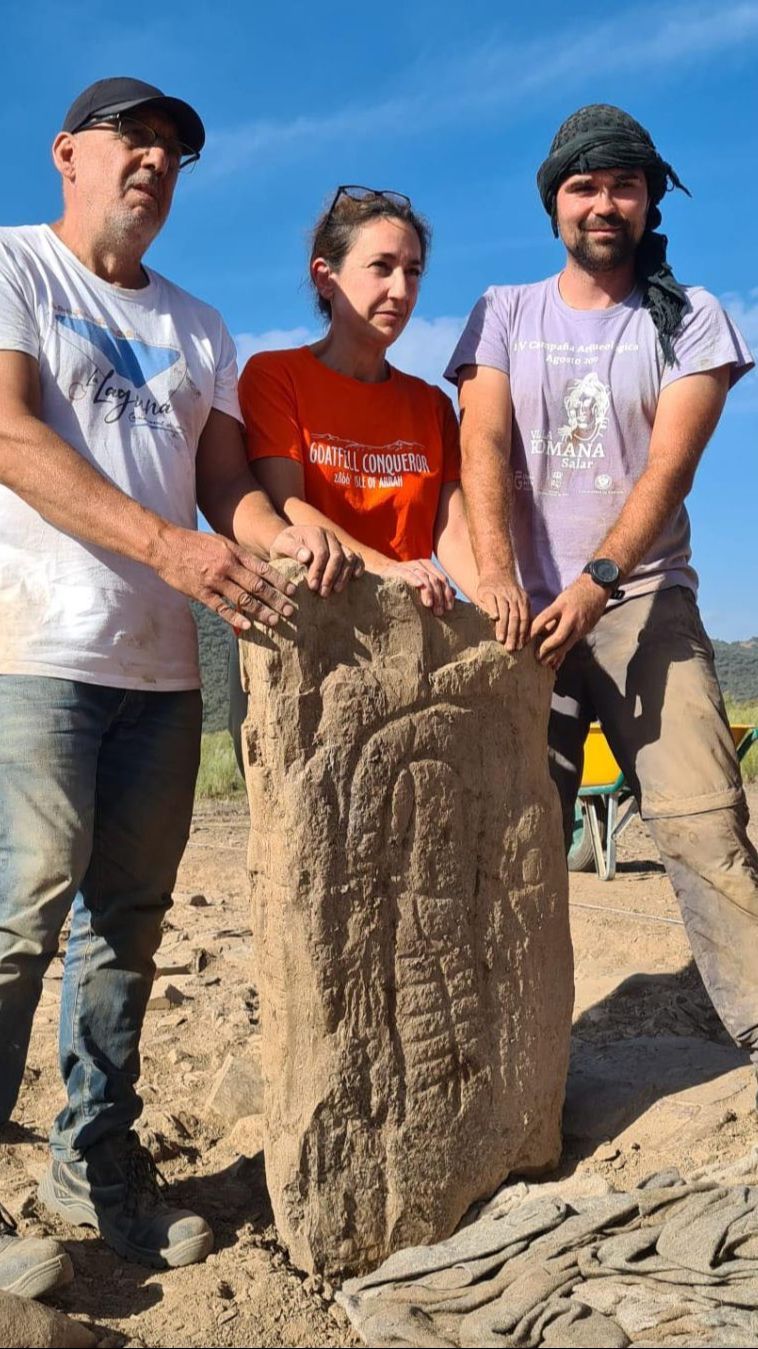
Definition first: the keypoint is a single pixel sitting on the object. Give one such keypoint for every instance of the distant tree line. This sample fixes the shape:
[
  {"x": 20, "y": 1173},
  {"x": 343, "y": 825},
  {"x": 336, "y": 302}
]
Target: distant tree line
[
  {"x": 737, "y": 666},
  {"x": 213, "y": 634},
  {"x": 736, "y": 663}
]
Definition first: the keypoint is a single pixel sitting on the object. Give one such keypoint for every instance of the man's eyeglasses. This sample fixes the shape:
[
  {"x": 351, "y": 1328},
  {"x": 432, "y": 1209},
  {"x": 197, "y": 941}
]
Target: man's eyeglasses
[
  {"x": 357, "y": 193},
  {"x": 138, "y": 135}
]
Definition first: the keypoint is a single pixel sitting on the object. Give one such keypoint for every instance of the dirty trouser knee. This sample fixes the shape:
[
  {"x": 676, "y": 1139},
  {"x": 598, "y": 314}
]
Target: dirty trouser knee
[
  {"x": 48, "y": 770},
  {"x": 96, "y": 790},
  {"x": 714, "y": 870},
  {"x": 647, "y": 673}
]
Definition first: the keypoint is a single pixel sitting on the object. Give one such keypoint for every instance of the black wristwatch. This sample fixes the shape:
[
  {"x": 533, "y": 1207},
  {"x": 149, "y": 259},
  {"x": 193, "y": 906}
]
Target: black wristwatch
[{"x": 605, "y": 572}]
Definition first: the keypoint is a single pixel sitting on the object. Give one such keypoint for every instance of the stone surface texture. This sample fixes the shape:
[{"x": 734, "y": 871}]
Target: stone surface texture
[
  {"x": 237, "y": 1089},
  {"x": 410, "y": 919},
  {"x": 30, "y": 1325}
]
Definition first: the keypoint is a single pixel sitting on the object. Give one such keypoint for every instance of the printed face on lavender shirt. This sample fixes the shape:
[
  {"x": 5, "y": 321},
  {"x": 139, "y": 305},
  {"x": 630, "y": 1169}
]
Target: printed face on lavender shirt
[{"x": 585, "y": 386}]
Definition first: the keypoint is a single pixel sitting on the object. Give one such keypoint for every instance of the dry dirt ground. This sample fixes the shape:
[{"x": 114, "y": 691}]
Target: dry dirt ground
[{"x": 654, "y": 1081}]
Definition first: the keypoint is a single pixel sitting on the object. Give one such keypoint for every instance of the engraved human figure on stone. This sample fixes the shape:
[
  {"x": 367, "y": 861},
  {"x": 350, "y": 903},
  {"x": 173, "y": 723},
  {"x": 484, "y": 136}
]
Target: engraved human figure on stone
[
  {"x": 412, "y": 942},
  {"x": 437, "y": 1003}
]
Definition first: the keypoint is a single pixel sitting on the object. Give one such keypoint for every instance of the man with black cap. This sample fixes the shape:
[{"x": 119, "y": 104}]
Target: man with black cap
[
  {"x": 118, "y": 415},
  {"x": 587, "y": 401}
]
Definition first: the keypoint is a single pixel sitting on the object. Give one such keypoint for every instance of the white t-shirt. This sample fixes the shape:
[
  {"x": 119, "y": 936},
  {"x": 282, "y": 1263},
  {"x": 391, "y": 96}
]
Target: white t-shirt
[{"x": 128, "y": 379}]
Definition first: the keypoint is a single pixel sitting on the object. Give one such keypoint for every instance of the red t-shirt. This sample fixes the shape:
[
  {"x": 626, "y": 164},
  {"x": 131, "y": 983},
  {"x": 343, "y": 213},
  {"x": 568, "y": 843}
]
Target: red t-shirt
[{"x": 374, "y": 456}]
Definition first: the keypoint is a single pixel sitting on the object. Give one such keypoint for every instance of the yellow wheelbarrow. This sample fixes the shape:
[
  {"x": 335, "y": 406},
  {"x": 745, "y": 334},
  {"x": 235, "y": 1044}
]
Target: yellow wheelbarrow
[{"x": 605, "y": 805}]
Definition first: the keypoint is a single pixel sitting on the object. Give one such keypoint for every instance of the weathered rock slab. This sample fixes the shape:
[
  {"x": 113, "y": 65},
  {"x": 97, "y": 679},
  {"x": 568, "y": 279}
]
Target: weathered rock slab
[
  {"x": 25, "y": 1324},
  {"x": 237, "y": 1089},
  {"x": 410, "y": 920}
]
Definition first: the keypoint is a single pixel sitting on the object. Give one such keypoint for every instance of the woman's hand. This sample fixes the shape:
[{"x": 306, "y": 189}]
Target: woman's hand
[
  {"x": 435, "y": 590},
  {"x": 330, "y": 564}
]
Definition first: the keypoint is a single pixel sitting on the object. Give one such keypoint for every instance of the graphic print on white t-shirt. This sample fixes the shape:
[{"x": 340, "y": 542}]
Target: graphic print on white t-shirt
[{"x": 128, "y": 377}]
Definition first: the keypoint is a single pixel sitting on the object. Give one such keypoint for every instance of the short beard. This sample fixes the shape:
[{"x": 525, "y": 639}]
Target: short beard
[
  {"x": 595, "y": 257},
  {"x": 126, "y": 230}
]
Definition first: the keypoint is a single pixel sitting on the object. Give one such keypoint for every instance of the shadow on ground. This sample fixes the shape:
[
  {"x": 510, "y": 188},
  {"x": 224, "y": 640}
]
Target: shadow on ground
[
  {"x": 231, "y": 1200},
  {"x": 653, "y": 1037}
]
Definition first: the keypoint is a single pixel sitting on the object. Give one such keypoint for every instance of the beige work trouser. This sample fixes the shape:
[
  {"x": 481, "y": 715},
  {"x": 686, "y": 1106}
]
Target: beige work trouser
[{"x": 646, "y": 672}]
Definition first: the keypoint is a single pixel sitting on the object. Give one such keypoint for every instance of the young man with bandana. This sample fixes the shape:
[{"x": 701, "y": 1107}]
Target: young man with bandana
[{"x": 587, "y": 401}]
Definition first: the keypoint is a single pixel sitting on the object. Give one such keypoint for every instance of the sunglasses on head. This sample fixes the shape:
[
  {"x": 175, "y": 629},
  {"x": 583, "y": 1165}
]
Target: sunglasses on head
[{"x": 357, "y": 193}]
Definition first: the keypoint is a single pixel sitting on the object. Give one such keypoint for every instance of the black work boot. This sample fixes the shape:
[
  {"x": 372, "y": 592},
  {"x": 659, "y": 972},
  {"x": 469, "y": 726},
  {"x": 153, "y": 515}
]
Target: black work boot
[
  {"x": 118, "y": 1189},
  {"x": 30, "y": 1266}
]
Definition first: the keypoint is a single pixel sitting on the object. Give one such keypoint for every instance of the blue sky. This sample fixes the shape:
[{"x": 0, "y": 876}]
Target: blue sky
[{"x": 454, "y": 105}]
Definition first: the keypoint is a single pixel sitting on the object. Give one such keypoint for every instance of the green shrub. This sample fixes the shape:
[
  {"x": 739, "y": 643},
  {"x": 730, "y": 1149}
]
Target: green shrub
[
  {"x": 213, "y": 634},
  {"x": 219, "y": 775},
  {"x": 737, "y": 669},
  {"x": 745, "y": 714}
]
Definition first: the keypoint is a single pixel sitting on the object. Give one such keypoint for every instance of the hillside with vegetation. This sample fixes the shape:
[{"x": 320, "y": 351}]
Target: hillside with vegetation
[
  {"x": 213, "y": 635},
  {"x": 736, "y": 663},
  {"x": 737, "y": 666}
]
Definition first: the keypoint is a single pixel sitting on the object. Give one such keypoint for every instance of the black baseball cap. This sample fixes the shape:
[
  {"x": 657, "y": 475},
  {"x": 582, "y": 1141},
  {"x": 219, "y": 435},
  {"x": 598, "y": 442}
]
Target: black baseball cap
[{"x": 122, "y": 94}]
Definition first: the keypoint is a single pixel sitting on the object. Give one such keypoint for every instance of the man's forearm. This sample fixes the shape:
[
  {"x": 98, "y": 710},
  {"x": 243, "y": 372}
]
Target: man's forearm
[
  {"x": 239, "y": 509},
  {"x": 487, "y": 491},
  {"x": 70, "y": 493},
  {"x": 655, "y": 497},
  {"x": 687, "y": 415}
]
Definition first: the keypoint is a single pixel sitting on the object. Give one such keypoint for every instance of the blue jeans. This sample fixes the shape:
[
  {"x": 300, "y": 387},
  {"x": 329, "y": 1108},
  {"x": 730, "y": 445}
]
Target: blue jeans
[{"x": 96, "y": 791}]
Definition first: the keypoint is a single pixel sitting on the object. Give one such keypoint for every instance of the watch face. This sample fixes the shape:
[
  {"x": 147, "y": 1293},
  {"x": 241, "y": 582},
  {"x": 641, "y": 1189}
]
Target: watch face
[{"x": 605, "y": 571}]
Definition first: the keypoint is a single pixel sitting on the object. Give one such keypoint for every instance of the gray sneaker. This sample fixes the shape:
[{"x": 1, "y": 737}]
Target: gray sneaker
[
  {"x": 118, "y": 1189},
  {"x": 30, "y": 1266}
]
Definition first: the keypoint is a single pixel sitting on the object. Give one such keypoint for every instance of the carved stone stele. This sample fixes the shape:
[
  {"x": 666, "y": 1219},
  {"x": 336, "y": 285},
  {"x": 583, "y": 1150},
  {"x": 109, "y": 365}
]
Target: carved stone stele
[{"x": 410, "y": 919}]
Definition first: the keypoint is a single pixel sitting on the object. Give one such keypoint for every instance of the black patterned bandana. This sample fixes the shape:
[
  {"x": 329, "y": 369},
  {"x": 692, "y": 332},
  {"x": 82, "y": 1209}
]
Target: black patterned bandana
[{"x": 600, "y": 136}]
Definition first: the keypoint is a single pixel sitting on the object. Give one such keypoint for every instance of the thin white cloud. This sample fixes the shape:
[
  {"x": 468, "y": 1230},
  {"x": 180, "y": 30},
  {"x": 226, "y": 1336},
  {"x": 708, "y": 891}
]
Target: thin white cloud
[
  {"x": 274, "y": 339},
  {"x": 426, "y": 346},
  {"x": 743, "y": 308},
  {"x": 499, "y": 75},
  {"x": 423, "y": 349}
]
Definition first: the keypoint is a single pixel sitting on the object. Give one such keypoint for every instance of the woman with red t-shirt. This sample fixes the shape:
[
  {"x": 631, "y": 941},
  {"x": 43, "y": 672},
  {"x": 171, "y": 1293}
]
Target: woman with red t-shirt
[{"x": 341, "y": 438}]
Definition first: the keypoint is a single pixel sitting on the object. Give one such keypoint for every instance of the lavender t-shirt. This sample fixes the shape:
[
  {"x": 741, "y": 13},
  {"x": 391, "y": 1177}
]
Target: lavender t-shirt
[{"x": 585, "y": 385}]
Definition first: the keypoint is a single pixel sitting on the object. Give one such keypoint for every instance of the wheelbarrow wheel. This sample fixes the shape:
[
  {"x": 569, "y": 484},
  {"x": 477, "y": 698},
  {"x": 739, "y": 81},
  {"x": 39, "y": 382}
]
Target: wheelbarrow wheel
[{"x": 581, "y": 856}]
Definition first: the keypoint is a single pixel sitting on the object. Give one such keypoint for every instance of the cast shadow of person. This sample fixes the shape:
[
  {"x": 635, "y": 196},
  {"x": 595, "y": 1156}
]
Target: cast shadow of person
[
  {"x": 104, "y": 1284},
  {"x": 233, "y": 1200},
  {"x": 618, "y": 1073}
]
